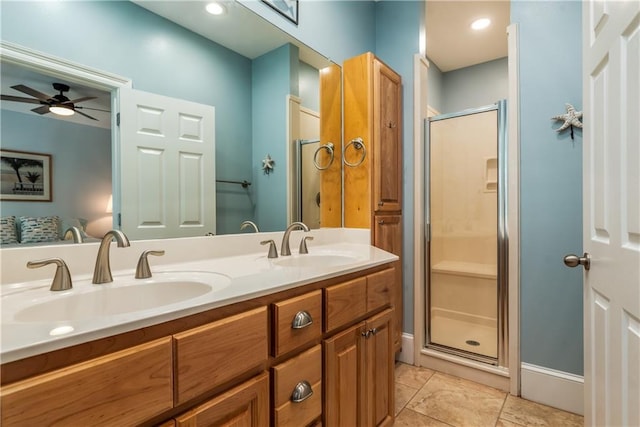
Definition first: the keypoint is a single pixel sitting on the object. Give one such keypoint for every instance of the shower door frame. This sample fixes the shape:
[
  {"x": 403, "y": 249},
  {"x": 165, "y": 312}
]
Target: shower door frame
[{"x": 502, "y": 295}]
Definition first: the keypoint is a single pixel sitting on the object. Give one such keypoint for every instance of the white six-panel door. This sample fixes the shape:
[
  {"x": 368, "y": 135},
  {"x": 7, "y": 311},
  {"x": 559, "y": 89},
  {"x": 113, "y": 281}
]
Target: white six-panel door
[
  {"x": 167, "y": 160},
  {"x": 611, "y": 167}
]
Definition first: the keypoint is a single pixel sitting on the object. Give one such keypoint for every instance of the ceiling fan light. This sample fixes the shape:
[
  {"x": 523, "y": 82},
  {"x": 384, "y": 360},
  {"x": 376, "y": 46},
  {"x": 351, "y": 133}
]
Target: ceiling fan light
[{"x": 61, "y": 110}]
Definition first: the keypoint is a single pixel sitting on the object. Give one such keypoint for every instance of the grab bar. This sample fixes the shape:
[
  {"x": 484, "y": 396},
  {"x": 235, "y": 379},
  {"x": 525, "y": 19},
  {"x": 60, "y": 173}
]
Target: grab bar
[
  {"x": 244, "y": 183},
  {"x": 329, "y": 147},
  {"x": 358, "y": 144}
]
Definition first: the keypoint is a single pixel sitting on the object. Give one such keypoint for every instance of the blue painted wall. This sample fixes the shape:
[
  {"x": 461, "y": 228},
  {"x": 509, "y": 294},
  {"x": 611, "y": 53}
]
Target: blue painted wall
[
  {"x": 75, "y": 150},
  {"x": 435, "y": 84},
  {"x": 309, "y": 86},
  {"x": 550, "y": 184},
  {"x": 275, "y": 76},
  {"x": 159, "y": 57},
  {"x": 399, "y": 25},
  {"x": 474, "y": 86}
]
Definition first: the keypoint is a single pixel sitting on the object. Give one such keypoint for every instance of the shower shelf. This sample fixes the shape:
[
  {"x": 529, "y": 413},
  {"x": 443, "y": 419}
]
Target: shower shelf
[{"x": 461, "y": 268}]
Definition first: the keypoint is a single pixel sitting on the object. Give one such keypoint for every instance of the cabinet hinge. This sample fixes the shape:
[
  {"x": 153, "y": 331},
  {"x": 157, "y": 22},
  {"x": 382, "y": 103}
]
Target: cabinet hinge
[{"x": 117, "y": 119}]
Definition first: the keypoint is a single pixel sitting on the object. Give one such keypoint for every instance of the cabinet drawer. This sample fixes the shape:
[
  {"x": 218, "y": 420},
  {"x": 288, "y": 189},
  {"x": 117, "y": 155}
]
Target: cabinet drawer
[
  {"x": 380, "y": 288},
  {"x": 210, "y": 355},
  {"x": 305, "y": 367},
  {"x": 123, "y": 388},
  {"x": 345, "y": 303},
  {"x": 286, "y": 337},
  {"x": 244, "y": 405}
]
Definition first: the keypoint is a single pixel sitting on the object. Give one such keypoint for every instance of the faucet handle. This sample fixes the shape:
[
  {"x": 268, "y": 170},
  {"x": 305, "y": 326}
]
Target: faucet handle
[
  {"x": 142, "y": 270},
  {"x": 303, "y": 245},
  {"x": 273, "y": 252},
  {"x": 62, "y": 278}
]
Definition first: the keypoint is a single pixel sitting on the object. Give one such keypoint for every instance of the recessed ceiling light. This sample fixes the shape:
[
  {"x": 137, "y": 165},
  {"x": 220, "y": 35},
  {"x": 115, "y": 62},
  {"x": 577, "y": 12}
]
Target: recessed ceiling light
[
  {"x": 216, "y": 8},
  {"x": 481, "y": 24}
]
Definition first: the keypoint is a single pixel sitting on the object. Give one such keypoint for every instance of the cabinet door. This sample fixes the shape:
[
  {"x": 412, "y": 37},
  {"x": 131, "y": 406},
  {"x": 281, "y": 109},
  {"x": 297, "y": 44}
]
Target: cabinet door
[
  {"x": 344, "y": 378},
  {"x": 379, "y": 364},
  {"x": 387, "y": 235},
  {"x": 246, "y": 405},
  {"x": 387, "y": 147}
]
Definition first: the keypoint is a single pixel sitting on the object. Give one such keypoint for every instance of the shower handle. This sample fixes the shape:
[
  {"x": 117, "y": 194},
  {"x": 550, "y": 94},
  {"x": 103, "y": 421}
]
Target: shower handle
[{"x": 574, "y": 261}]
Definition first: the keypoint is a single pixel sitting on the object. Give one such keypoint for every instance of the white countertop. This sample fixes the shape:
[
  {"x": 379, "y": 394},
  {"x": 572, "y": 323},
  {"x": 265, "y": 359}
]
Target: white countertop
[{"x": 242, "y": 277}]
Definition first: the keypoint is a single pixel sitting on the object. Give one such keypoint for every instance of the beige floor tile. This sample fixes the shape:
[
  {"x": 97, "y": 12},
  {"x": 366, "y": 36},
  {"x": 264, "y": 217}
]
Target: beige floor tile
[
  {"x": 527, "y": 413},
  {"x": 413, "y": 376},
  {"x": 458, "y": 402},
  {"x": 404, "y": 393},
  {"x": 409, "y": 418},
  {"x": 505, "y": 423}
]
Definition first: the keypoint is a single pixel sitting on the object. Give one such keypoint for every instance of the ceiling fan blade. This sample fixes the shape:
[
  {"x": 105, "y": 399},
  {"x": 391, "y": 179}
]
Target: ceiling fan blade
[
  {"x": 89, "y": 108},
  {"x": 25, "y": 89},
  {"x": 86, "y": 115},
  {"x": 41, "y": 110},
  {"x": 19, "y": 99},
  {"x": 86, "y": 98}
]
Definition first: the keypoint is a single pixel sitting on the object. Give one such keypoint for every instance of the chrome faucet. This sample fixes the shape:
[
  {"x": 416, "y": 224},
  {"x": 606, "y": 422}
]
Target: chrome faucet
[
  {"x": 102, "y": 272},
  {"x": 251, "y": 224},
  {"x": 285, "y": 249},
  {"x": 75, "y": 233}
]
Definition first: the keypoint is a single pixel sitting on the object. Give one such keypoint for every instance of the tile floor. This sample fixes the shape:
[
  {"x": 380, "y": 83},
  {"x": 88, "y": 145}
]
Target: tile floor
[{"x": 426, "y": 398}]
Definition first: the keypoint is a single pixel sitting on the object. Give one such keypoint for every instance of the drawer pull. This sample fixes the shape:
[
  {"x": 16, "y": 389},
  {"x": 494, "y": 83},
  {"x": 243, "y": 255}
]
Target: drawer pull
[
  {"x": 302, "y": 319},
  {"x": 301, "y": 392}
]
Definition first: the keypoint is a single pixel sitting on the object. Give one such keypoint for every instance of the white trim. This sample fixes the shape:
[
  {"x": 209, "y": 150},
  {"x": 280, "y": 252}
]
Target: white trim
[
  {"x": 59, "y": 67},
  {"x": 513, "y": 204},
  {"x": 420, "y": 108},
  {"x": 558, "y": 389},
  {"x": 294, "y": 104},
  {"x": 406, "y": 355}
]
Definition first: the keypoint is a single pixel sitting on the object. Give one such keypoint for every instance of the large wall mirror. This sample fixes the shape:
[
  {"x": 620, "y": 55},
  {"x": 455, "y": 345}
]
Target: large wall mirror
[{"x": 265, "y": 87}]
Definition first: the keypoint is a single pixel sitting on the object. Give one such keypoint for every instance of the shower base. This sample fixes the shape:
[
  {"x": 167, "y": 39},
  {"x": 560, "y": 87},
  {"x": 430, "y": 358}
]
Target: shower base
[{"x": 466, "y": 332}]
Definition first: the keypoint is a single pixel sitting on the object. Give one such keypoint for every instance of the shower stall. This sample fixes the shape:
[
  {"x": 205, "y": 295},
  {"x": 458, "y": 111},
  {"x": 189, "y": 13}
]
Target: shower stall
[{"x": 466, "y": 234}]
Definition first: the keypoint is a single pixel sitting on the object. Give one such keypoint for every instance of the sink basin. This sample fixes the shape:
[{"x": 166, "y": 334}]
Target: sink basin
[
  {"x": 87, "y": 301},
  {"x": 316, "y": 260}
]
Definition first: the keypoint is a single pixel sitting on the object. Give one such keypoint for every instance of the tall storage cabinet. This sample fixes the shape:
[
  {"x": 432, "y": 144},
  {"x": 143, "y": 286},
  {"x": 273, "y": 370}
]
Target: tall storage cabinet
[{"x": 373, "y": 160}]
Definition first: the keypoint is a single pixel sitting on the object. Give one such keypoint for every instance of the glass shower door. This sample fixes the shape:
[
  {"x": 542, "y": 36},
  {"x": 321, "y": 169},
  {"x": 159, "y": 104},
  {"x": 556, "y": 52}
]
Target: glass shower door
[{"x": 463, "y": 252}]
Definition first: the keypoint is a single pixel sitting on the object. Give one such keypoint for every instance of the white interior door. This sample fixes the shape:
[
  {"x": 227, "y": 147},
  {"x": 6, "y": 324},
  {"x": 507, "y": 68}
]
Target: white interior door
[
  {"x": 611, "y": 76},
  {"x": 167, "y": 166}
]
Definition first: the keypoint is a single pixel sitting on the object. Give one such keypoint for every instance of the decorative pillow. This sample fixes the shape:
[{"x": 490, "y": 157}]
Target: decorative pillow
[
  {"x": 38, "y": 229},
  {"x": 8, "y": 232}
]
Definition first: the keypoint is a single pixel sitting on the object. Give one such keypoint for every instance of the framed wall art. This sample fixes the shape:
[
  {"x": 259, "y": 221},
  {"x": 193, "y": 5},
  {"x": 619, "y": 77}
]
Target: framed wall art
[
  {"x": 25, "y": 176},
  {"x": 287, "y": 8}
]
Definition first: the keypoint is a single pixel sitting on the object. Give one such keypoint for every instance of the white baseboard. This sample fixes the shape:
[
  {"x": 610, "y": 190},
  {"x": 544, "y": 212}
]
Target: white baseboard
[
  {"x": 406, "y": 355},
  {"x": 558, "y": 389}
]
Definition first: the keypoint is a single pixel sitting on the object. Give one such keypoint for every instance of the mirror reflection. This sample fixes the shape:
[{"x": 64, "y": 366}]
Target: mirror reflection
[{"x": 251, "y": 85}]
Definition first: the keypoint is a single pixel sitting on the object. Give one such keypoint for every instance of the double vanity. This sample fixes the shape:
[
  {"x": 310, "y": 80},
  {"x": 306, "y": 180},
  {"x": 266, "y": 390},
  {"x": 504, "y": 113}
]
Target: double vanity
[{"x": 220, "y": 334}]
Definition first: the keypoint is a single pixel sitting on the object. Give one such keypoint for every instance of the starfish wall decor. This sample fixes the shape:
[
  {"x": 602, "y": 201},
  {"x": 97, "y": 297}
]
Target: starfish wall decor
[
  {"x": 268, "y": 164},
  {"x": 571, "y": 118}
]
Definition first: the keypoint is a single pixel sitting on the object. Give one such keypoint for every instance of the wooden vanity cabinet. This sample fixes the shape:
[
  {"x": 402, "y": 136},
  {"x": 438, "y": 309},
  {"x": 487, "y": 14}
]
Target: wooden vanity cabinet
[
  {"x": 359, "y": 362},
  {"x": 123, "y": 388},
  {"x": 236, "y": 365},
  {"x": 244, "y": 405},
  {"x": 373, "y": 188}
]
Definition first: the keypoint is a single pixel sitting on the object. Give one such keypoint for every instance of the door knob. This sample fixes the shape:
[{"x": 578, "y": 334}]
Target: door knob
[{"x": 574, "y": 261}]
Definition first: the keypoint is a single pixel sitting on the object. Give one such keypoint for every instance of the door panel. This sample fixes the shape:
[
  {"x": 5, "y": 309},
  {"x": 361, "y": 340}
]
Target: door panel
[
  {"x": 167, "y": 160},
  {"x": 611, "y": 235}
]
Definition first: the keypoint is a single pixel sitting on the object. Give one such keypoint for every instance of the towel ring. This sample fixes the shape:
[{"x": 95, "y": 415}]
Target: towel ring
[
  {"x": 358, "y": 144},
  {"x": 329, "y": 147}
]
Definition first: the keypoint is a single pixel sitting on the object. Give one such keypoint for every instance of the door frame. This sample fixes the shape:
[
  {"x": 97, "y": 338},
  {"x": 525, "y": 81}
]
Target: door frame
[
  {"x": 418, "y": 355},
  {"x": 77, "y": 73}
]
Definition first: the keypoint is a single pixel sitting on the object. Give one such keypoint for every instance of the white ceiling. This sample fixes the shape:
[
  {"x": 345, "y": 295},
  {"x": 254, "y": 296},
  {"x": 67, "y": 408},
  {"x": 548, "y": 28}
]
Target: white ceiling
[{"x": 452, "y": 44}]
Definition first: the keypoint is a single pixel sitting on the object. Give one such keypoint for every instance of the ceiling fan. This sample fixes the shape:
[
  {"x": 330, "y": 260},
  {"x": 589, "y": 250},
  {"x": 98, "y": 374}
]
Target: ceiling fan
[{"x": 57, "y": 104}]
